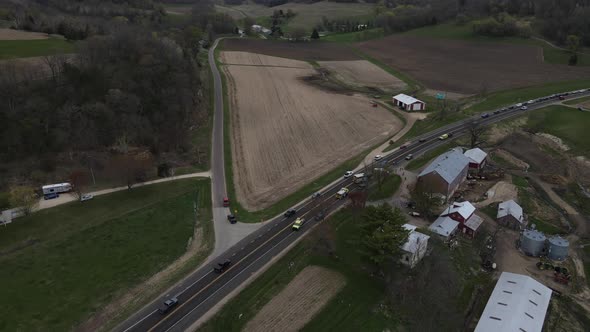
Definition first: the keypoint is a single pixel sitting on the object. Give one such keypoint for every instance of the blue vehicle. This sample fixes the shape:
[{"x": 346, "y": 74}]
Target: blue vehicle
[
  {"x": 51, "y": 196},
  {"x": 485, "y": 115}
]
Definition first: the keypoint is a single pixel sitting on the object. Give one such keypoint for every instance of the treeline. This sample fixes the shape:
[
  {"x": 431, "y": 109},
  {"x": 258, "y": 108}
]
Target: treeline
[
  {"x": 77, "y": 20},
  {"x": 128, "y": 85}
]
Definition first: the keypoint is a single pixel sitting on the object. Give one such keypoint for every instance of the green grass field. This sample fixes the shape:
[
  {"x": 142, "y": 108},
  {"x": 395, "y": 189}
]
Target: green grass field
[
  {"x": 352, "y": 37},
  {"x": 577, "y": 101},
  {"x": 428, "y": 156},
  {"x": 566, "y": 123},
  {"x": 59, "y": 265},
  {"x": 389, "y": 186},
  {"x": 520, "y": 182},
  {"x": 10, "y": 49}
]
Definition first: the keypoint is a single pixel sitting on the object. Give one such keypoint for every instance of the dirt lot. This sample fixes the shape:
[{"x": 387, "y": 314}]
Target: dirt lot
[
  {"x": 295, "y": 305},
  {"x": 285, "y": 132},
  {"x": 467, "y": 67},
  {"x": 363, "y": 73},
  {"x": 316, "y": 51},
  {"x": 545, "y": 161},
  {"x": 10, "y": 34}
]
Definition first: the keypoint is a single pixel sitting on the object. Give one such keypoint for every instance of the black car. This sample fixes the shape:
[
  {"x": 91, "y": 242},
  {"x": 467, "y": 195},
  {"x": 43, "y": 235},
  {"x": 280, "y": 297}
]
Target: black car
[
  {"x": 320, "y": 216},
  {"x": 485, "y": 115},
  {"x": 167, "y": 306},
  {"x": 497, "y": 112},
  {"x": 232, "y": 219},
  {"x": 290, "y": 213},
  {"x": 221, "y": 267},
  {"x": 422, "y": 140}
]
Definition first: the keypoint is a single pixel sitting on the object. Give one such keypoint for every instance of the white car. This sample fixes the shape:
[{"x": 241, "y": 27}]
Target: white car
[
  {"x": 530, "y": 102},
  {"x": 348, "y": 174},
  {"x": 86, "y": 197},
  {"x": 519, "y": 104},
  {"x": 378, "y": 157},
  {"x": 524, "y": 108}
]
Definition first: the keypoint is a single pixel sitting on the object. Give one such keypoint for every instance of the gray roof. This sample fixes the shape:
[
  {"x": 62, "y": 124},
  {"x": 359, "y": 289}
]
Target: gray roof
[
  {"x": 444, "y": 226},
  {"x": 518, "y": 303},
  {"x": 465, "y": 209},
  {"x": 474, "y": 222},
  {"x": 510, "y": 208},
  {"x": 448, "y": 165},
  {"x": 476, "y": 155},
  {"x": 415, "y": 239}
]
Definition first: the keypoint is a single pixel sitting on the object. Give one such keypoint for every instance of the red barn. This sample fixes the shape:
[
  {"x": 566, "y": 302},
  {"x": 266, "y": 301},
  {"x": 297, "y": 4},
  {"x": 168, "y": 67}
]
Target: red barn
[
  {"x": 408, "y": 103},
  {"x": 464, "y": 214}
]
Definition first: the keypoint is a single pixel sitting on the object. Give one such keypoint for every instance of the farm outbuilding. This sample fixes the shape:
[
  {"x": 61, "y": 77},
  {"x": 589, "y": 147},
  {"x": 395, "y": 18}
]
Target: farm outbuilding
[
  {"x": 477, "y": 158},
  {"x": 517, "y": 303},
  {"x": 444, "y": 226},
  {"x": 464, "y": 214},
  {"x": 415, "y": 247},
  {"x": 444, "y": 174},
  {"x": 408, "y": 103},
  {"x": 510, "y": 214}
]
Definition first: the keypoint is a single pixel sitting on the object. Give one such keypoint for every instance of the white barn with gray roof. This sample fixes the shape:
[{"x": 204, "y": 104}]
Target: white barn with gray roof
[
  {"x": 445, "y": 173},
  {"x": 518, "y": 304},
  {"x": 511, "y": 215}
]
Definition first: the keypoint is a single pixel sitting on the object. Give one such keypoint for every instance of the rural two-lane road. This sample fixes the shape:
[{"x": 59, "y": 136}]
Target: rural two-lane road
[{"x": 204, "y": 288}]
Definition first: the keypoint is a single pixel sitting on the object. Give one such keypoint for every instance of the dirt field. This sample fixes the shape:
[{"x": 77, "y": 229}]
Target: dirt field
[
  {"x": 10, "y": 34},
  {"x": 316, "y": 51},
  {"x": 500, "y": 192},
  {"x": 295, "y": 305},
  {"x": 467, "y": 67},
  {"x": 285, "y": 132},
  {"x": 542, "y": 161},
  {"x": 251, "y": 59},
  {"x": 363, "y": 73}
]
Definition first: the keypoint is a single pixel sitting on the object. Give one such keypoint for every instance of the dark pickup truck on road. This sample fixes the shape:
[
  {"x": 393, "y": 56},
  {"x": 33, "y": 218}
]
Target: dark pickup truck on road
[{"x": 221, "y": 267}]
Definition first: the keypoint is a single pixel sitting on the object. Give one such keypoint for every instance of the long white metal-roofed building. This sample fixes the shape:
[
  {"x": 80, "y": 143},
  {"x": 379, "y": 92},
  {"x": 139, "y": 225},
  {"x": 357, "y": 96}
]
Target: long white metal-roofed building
[
  {"x": 518, "y": 304},
  {"x": 408, "y": 103}
]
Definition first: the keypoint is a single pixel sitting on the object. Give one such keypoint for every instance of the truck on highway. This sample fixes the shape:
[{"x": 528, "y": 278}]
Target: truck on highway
[
  {"x": 342, "y": 193},
  {"x": 358, "y": 178},
  {"x": 298, "y": 223}
]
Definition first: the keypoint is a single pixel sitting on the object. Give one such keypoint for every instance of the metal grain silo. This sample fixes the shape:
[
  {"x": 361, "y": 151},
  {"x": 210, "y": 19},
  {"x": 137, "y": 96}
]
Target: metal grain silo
[
  {"x": 557, "y": 248},
  {"x": 532, "y": 242}
]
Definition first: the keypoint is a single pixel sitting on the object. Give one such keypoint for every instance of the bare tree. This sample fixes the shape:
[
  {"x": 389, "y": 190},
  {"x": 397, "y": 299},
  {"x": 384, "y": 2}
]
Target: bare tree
[
  {"x": 476, "y": 132},
  {"x": 79, "y": 180},
  {"x": 55, "y": 64}
]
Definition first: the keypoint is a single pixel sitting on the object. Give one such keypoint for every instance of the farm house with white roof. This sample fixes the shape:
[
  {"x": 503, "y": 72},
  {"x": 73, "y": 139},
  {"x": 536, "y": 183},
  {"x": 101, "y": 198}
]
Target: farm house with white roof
[
  {"x": 415, "y": 247},
  {"x": 510, "y": 214}
]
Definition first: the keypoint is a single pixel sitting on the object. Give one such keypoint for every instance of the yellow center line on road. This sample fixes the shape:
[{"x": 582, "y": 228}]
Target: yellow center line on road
[{"x": 233, "y": 266}]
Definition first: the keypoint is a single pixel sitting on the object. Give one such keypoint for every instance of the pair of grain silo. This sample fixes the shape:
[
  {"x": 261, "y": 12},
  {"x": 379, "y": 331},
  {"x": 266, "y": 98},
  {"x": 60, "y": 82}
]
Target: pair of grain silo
[{"x": 535, "y": 243}]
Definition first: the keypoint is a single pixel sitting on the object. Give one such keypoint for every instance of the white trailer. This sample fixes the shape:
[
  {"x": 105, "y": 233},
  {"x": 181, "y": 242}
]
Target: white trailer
[
  {"x": 358, "y": 178},
  {"x": 56, "y": 188}
]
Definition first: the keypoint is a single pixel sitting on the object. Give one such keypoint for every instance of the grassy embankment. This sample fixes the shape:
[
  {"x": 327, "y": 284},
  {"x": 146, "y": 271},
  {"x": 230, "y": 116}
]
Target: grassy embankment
[
  {"x": 60, "y": 265},
  {"x": 388, "y": 187},
  {"x": 363, "y": 303},
  {"x": 10, "y": 49}
]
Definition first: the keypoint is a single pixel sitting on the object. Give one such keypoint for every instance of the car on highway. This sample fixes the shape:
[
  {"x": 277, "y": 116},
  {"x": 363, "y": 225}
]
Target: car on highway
[
  {"x": 86, "y": 197},
  {"x": 422, "y": 140},
  {"x": 409, "y": 156},
  {"x": 497, "y": 112},
  {"x": 485, "y": 115},
  {"x": 342, "y": 193},
  {"x": 298, "y": 223},
  {"x": 320, "y": 216},
  {"x": 518, "y": 105},
  {"x": 403, "y": 146},
  {"x": 225, "y": 202},
  {"x": 316, "y": 195},
  {"x": 524, "y": 108},
  {"x": 443, "y": 137},
  {"x": 232, "y": 219},
  {"x": 562, "y": 97},
  {"x": 378, "y": 157},
  {"x": 530, "y": 102},
  {"x": 221, "y": 267},
  {"x": 348, "y": 174},
  {"x": 289, "y": 213},
  {"x": 503, "y": 109},
  {"x": 167, "y": 305}
]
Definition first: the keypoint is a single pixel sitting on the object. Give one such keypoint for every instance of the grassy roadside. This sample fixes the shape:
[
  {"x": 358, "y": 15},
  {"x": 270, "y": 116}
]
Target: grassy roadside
[
  {"x": 10, "y": 49},
  {"x": 428, "y": 156},
  {"x": 577, "y": 101},
  {"x": 360, "y": 296},
  {"x": 389, "y": 186},
  {"x": 567, "y": 123},
  {"x": 129, "y": 235}
]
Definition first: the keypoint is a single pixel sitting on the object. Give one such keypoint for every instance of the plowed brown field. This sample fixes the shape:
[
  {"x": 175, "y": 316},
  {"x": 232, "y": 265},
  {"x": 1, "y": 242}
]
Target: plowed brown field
[
  {"x": 468, "y": 67},
  {"x": 295, "y": 305},
  {"x": 285, "y": 133},
  {"x": 11, "y": 34},
  {"x": 316, "y": 51},
  {"x": 364, "y": 73}
]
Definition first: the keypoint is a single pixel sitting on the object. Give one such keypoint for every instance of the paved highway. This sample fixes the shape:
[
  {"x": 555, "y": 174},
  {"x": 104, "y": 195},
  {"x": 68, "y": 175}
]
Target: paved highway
[{"x": 204, "y": 288}]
